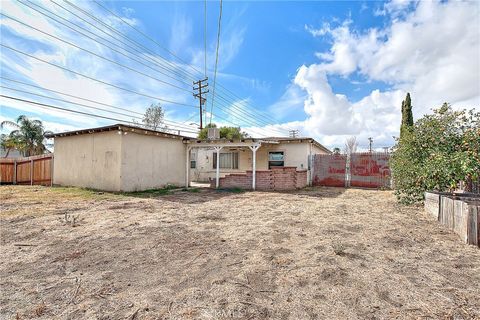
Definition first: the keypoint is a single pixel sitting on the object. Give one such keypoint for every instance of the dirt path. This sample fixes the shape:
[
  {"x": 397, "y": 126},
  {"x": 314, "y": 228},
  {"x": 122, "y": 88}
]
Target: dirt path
[{"x": 315, "y": 254}]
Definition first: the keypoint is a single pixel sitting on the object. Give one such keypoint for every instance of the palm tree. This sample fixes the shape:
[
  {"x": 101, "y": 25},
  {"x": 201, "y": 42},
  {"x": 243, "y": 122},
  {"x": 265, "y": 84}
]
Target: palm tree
[{"x": 28, "y": 136}]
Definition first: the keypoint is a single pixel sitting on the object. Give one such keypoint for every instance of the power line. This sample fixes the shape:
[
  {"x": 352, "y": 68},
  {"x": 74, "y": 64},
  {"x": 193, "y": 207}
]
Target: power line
[
  {"x": 110, "y": 28},
  {"x": 95, "y": 54},
  {"x": 145, "y": 35},
  {"x": 259, "y": 122},
  {"x": 205, "y": 36},
  {"x": 216, "y": 59},
  {"x": 97, "y": 80},
  {"x": 77, "y": 26},
  {"x": 173, "y": 123},
  {"x": 170, "y": 52},
  {"x": 72, "y": 111},
  {"x": 234, "y": 107},
  {"x": 238, "y": 111},
  {"x": 69, "y": 95}
]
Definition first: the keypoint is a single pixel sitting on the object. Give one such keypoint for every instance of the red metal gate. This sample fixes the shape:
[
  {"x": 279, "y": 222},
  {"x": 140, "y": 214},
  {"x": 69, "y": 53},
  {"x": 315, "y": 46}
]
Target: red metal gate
[
  {"x": 370, "y": 170},
  {"x": 329, "y": 170},
  {"x": 367, "y": 170}
]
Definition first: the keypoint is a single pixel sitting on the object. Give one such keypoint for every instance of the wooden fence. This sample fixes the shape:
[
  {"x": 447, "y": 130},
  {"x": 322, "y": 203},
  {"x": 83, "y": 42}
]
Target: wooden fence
[
  {"x": 459, "y": 212},
  {"x": 36, "y": 170}
]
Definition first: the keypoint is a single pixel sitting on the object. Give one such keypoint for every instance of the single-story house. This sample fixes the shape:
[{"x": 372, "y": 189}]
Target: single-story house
[
  {"x": 274, "y": 153},
  {"x": 127, "y": 158},
  {"x": 14, "y": 153}
]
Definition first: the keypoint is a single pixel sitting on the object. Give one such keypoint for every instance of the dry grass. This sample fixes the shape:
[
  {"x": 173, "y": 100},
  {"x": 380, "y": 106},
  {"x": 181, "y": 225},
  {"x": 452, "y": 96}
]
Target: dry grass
[{"x": 318, "y": 253}]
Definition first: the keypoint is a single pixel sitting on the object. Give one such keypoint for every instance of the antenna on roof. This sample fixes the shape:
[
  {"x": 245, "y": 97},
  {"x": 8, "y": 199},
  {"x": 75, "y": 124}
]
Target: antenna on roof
[{"x": 293, "y": 133}]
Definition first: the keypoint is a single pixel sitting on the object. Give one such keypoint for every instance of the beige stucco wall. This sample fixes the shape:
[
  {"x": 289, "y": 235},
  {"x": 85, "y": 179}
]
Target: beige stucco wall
[
  {"x": 296, "y": 155},
  {"x": 150, "y": 162},
  {"x": 204, "y": 157},
  {"x": 88, "y": 160}
]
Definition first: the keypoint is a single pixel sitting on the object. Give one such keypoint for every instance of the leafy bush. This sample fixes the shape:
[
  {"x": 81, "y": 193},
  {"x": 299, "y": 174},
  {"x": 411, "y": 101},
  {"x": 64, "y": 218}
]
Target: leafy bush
[{"x": 438, "y": 152}]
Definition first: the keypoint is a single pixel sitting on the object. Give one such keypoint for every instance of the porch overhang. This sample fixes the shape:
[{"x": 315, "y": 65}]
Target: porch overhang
[
  {"x": 225, "y": 143},
  {"x": 219, "y": 144}
]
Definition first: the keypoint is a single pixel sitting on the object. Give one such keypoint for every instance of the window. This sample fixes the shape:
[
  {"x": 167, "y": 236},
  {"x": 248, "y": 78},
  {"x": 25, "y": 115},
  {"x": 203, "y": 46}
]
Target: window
[
  {"x": 276, "y": 159},
  {"x": 193, "y": 160},
  {"x": 228, "y": 160}
]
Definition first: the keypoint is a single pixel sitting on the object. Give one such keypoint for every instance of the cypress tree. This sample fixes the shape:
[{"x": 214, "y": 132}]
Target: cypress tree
[{"x": 407, "y": 116}]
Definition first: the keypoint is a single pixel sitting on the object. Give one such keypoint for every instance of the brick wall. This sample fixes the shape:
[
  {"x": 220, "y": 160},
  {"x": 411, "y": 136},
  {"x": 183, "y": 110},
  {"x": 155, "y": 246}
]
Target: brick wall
[{"x": 281, "y": 178}]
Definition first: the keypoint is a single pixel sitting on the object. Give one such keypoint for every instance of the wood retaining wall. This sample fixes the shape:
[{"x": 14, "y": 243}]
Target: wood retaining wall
[{"x": 460, "y": 212}]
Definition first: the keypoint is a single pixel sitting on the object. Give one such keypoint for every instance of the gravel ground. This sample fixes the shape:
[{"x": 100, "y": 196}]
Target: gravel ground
[{"x": 322, "y": 253}]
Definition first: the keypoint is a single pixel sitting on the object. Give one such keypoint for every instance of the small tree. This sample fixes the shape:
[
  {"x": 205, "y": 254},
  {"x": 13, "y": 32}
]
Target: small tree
[
  {"x": 351, "y": 145},
  {"x": 336, "y": 150},
  {"x": 28, "y": 136},
  {"x": 154, "y": 118}
]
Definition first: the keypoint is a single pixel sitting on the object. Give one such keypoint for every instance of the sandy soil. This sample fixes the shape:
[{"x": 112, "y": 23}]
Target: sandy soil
[{"x": 323, "y": 253}]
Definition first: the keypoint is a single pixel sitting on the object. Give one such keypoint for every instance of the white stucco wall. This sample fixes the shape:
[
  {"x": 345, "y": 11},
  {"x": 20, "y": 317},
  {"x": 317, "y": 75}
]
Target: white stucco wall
[
  {"x": 88, "y": 160},
  {"x": 296, "y": 155},
  {"x": 150, "y": 162}
]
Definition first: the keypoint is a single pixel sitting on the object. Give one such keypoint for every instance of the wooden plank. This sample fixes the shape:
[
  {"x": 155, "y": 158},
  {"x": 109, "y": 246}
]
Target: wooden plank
[
  {"x": 473, "y": 232},
  {"x": 478, "y": 226},
  {"x": 6, "y": 172},
  {"x": 432, "y": 204},
  {"x": 460, "y": 217},
  {"x": 23, "y": 172}
]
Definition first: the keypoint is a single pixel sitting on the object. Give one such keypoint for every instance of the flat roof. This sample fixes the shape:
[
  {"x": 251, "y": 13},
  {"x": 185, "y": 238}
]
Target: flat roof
[
  {"x": 272, "y": 140},
  {"x": 118, "y": 126},
  {"x": 189, "y": 140}
]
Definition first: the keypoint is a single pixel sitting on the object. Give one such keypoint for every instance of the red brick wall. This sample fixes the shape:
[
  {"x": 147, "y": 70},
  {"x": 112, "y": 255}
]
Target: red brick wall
[{"x": 281, "y": 178}]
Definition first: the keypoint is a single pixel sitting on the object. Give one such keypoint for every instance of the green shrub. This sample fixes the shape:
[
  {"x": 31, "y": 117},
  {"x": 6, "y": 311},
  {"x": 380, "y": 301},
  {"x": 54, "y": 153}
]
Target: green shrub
[{"x": 438, "y": 152}]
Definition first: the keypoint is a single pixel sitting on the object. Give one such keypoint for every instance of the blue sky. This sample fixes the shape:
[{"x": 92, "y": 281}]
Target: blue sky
[{"x": 329, "y": 69}]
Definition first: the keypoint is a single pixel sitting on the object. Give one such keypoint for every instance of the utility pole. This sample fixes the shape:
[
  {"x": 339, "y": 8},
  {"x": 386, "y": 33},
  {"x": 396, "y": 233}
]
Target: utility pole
[
  {"x": 370, "y": 141},
  {"x": 293, "y": 133},
  {"x": 200, "y": 92}
]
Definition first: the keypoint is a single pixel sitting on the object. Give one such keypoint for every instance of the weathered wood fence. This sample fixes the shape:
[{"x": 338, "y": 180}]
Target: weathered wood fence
[
  {"x": 36, "y": 170},
  {"x": 459, "y": 212}
]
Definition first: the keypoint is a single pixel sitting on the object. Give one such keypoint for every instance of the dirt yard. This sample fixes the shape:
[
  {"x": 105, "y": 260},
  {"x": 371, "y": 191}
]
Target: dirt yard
[{"x": 324, "y": 253}]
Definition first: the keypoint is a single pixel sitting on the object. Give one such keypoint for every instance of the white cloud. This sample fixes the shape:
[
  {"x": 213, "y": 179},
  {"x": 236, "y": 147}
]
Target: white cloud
[
  {"x": 430, "y": 49},
  {"x": 290, "y": 103},
  {"x": 181, "y": 32},
  {"x": 19, "y": 67}
]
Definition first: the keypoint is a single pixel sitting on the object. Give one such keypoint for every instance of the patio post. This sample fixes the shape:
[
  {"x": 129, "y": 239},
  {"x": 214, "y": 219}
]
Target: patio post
[
  {"x": 217, "y": 175},
  {"x": 254, "y": 149}
]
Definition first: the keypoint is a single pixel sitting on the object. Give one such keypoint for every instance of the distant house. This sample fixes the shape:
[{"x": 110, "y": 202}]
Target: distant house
[
  {"x": 127, "y": 158},
  {"x": 14, "y": 153}
]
